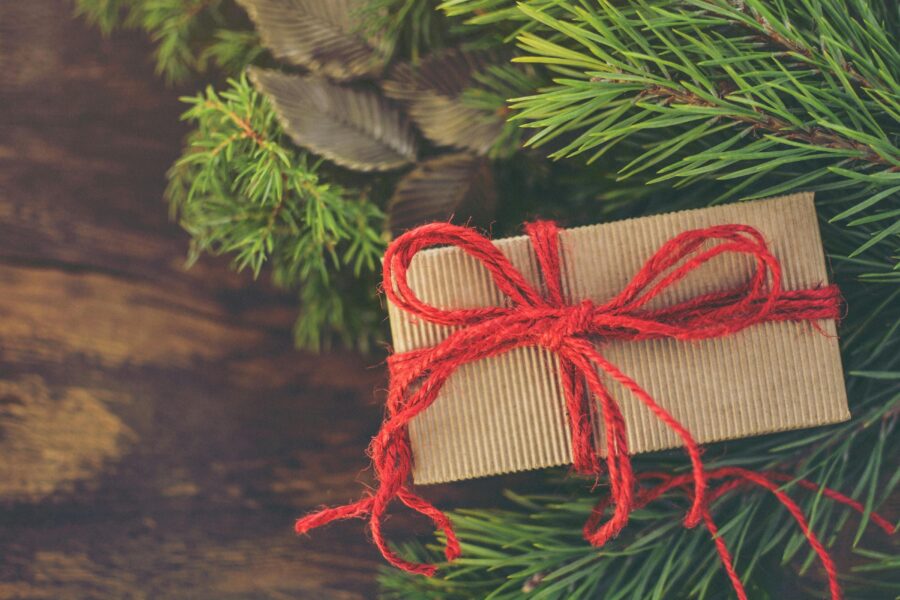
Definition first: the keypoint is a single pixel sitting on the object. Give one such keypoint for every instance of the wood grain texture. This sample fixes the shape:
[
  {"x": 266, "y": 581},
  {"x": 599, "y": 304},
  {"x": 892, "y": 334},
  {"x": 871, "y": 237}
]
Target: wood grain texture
[{"x": 158, "y": 432}]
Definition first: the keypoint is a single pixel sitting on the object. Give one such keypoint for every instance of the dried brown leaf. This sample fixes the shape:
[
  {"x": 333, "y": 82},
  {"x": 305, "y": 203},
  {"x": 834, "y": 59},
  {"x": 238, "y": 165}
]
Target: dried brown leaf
[
  {"x": 432, "y": 93},
  {"x": 322, "y": 35},
  {"x": 354, "y": 127},
  {"x": 459, "y": 185}
]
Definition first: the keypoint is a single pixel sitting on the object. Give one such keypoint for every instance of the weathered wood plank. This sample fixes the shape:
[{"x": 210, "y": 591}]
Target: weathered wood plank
[{"x": 158, "y": 432}]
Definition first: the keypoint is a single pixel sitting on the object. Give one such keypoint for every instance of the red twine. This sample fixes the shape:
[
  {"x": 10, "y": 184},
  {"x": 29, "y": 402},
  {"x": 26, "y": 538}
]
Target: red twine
[{"x": 533, "y": 319}]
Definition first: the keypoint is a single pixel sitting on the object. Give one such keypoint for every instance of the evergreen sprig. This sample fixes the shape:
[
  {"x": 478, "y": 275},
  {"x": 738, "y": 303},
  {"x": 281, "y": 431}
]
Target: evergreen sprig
[
  {"x": 242, "y": 189},
  {"x": 188, "y": 34},
  {"x": 489, "y": 95},
  {"x": 767, "y": 97}
]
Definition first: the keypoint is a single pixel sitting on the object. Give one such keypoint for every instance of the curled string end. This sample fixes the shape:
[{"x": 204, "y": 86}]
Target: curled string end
[{"x": 359, "y": 509}]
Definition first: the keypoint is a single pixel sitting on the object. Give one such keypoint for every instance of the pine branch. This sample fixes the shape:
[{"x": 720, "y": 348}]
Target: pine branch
[
  {"x": 763, "y": 124},
  {"x": 242, "y": 189},
  {"x": 778, "y": 98},
  {"x": 232, "y": 50},
  {"x": 489, "y": 94},
  {"x": 502, "y": 15}
]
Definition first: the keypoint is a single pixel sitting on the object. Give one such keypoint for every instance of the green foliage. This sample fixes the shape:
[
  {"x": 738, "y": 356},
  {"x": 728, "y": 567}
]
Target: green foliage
[
  {"x": 242, "y": 189},
  {"x": 489, "y": 95},
  {"x": 502, "y": 14},
  {"x": 105, "y": 14},
  {"x": 188, "y": 34},
  {"x": 767, "y": 97},
  {"x": 231, "y": 50},
  {"x": 222, "y": 169}
]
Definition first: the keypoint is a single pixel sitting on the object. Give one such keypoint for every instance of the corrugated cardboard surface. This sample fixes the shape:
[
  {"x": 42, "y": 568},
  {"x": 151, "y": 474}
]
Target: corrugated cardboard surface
[{"x": 507, "y": 413}]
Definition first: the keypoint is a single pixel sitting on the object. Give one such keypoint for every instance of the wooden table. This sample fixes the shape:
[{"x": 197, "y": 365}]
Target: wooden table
[{"x": 158, "y": 431}]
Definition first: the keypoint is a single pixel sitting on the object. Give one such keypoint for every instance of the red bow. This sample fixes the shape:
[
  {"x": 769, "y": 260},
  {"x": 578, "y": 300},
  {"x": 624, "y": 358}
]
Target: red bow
[{"x": 535, "y": 319}]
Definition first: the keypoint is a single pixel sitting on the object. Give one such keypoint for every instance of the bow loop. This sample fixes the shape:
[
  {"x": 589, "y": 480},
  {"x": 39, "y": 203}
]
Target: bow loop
[
  {"x": 506, "y": 277},
  {"x": 545, "y": 241},
  {"x": 706, "y": 315}
]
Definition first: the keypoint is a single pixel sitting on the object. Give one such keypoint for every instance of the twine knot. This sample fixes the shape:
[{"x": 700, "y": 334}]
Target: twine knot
[
  {"x": 573, "y": 320},
  {"x": 532, "y": 318}
]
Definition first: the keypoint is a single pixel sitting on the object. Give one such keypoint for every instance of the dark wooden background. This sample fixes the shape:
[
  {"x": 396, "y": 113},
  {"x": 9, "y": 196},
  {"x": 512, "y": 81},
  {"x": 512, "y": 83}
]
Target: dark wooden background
[{"x": 158, "y": 432}]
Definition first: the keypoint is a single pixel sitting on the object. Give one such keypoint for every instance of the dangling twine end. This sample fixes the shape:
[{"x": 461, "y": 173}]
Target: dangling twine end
[
  {"x": 884, "y": 524},
  {"x": 304, "y": 524},
  {"x": 359, "y": 509}
]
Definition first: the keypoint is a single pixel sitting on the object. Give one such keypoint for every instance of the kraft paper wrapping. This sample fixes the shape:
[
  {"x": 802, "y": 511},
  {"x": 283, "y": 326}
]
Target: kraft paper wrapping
[{"x": 507, "y": 413}]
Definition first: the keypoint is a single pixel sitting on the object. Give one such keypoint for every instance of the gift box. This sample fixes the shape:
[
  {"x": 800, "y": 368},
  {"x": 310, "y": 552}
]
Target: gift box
[{"x": 507, "y": 413}]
